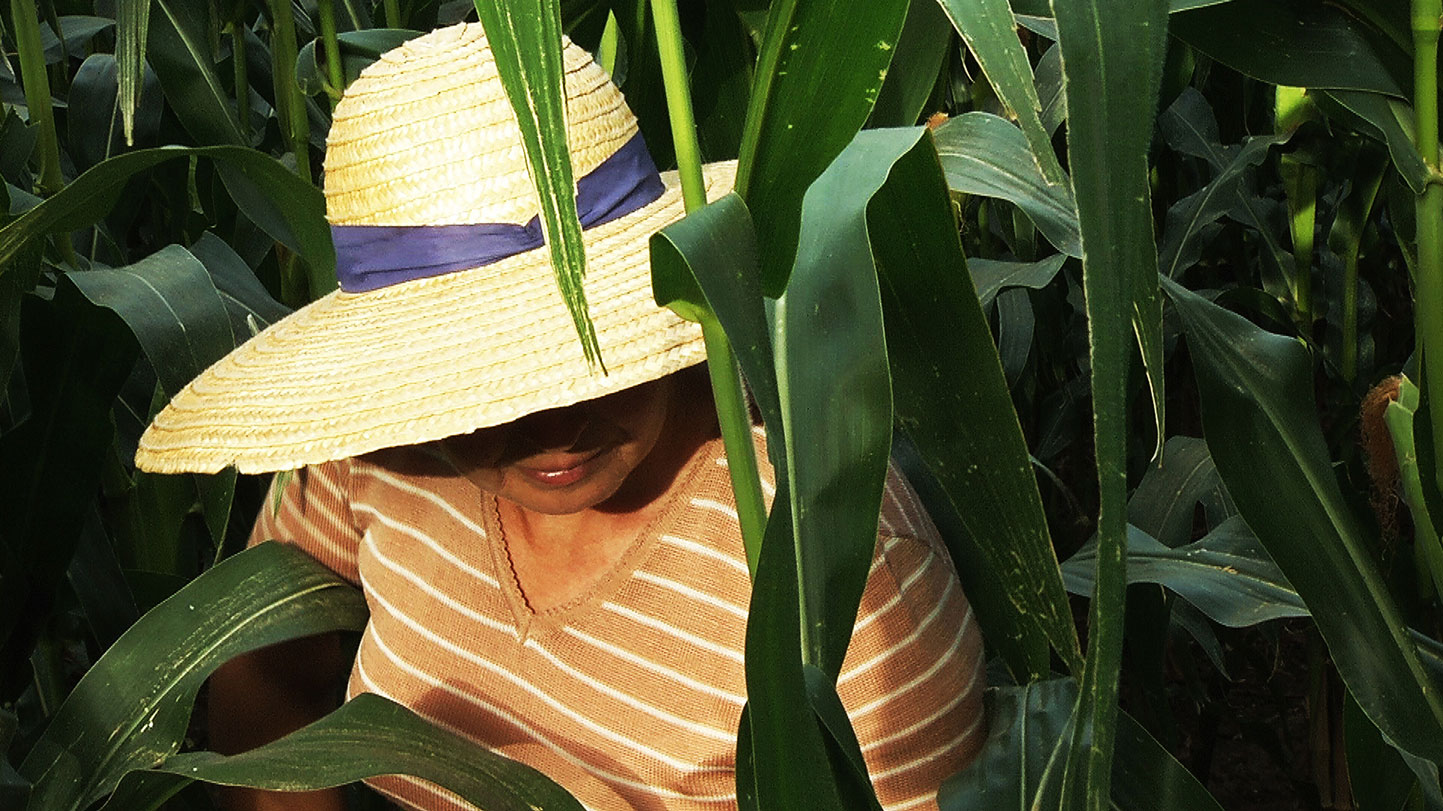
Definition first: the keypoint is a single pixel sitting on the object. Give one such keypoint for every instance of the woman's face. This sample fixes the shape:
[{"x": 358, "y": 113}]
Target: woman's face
[{"x": 565, "y": 460}]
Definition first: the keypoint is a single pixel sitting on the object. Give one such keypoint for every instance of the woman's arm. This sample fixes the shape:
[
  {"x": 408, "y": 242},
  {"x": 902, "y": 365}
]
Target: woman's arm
[
  {"x": 263, "y": 695},
  {"x": 260, "y": 696}
]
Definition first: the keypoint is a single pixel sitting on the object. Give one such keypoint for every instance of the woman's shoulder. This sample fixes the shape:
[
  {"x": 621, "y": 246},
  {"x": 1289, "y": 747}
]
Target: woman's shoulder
[{"x": 902, "y": 515}]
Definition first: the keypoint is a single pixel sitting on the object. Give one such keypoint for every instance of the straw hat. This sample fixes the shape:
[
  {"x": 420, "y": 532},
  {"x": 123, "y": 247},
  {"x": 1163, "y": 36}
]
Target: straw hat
[{"x": 423, "y": 144}]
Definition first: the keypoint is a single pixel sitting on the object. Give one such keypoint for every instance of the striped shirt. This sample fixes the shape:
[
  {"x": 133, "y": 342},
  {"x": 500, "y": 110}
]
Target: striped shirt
[{"x": 629, "y": 695}]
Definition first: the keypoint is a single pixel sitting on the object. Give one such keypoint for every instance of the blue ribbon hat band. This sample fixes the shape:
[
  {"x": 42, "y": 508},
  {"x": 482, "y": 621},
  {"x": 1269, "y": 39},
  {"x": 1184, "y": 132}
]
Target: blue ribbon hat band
[{"x": 369, "y": 257}]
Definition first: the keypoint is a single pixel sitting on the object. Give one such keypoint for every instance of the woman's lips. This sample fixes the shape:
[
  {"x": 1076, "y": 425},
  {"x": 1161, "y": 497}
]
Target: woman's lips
[{"x": 557, "y": 470}]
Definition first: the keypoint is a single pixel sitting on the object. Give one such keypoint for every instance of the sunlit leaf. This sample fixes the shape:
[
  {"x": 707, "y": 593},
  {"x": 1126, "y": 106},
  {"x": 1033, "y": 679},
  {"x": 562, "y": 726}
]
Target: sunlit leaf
[
  {"x": 370, "y": 736},
  {"x": 987, "y": 155},
  {"x": 525, "y": 41},
  {"x": 727, "y": 281},
  {"x": 822, "y": 64},
  {"x": 921, "y": 48},
  {"x": 1225, "y": 574},
  {"x": 777, "y": 691},
  {"x": 782, "y": 759},
  {"x": 131, "y": 709},
  {"x": 989, "y": 30},
  {"x": 944, "y": 364},
  {"x": 132, "y": 30},
  {"x": 830, "y": 348},
  {"x": 715, "y": 247}
]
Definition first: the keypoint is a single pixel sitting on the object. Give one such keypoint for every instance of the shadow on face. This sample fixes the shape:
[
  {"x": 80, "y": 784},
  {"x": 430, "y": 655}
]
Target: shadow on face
[{"x": 616, "y": 453}]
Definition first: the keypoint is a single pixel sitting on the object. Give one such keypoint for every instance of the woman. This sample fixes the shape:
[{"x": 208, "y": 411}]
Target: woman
[{"x": 550, "y": 554}]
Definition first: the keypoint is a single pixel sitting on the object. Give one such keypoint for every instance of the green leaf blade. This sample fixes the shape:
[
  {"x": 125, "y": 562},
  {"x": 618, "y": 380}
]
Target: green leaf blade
[
  {"x": 129, "y": 712},
  {"x": 525, "y": 40},
  {"x": 370, "y": 736},
  {"x": 830, "y": 348},
  {"x": 179, "y": 51},
  {"x": 172, "y": 308},
  {"x": 1257, "y": 409},
  {"x": 132, "y": 28},
  {"x": 289, "y": 209},
  {"x": 813, "y": 92},
  {"x": 1112, "y": 55},
  {"x": 988, "y": 28},
  {"x": 1225, "y": 574},
  {"x": 1297, "y": 45},
  {"x": 985, "y": 154},
  {"x": 944, "y": 363}
]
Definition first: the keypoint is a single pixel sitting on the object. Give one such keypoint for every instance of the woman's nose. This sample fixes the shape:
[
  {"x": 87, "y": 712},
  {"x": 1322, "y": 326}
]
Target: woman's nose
[{"x": 553, "y": 429}]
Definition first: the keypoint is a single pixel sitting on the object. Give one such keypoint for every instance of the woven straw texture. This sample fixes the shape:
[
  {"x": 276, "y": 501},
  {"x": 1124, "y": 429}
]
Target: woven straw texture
[{"x": 426, "y": 136}]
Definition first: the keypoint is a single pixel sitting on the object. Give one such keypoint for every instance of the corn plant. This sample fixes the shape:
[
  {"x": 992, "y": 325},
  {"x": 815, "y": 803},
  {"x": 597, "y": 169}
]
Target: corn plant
[{"x": 1118, "y": 309}]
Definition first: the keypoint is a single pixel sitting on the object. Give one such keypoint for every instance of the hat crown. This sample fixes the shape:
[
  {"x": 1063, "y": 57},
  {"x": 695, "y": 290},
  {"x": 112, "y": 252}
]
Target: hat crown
[{"x": 427, "y": 136}]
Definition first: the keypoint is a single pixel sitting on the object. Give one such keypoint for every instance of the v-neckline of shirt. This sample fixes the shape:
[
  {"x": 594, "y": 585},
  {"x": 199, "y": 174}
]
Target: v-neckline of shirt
[{"x": 532, "y": 624}]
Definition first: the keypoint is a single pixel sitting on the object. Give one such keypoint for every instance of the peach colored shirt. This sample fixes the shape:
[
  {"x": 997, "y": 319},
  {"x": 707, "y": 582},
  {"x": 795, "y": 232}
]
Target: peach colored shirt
[{"x": 629, "y": 695}]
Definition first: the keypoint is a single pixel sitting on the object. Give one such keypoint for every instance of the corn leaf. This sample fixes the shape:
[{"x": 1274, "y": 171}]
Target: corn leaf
[
  {"x": 178, "y": 48},
  {"x": 1112, "y": 55},
  {"x": 1188, "y": 126},
  {"x": 1225, "y": 574},
  {"x": 286, "y": 207},
  {"x": 921, "y": 48},
  {"x": 822, "y": 64},
  {"x": 1019, "y": 770},
  {"x": 131, "y": 709},
  {"x": 371, "y": 735},
  {"x": 945, "y": 364},
  {"x": 525, "y": 40},
  {"x": 985, "y": 154},
  {"x": 132, "y": 30},
  {"x": 168, "y": 301},
  {"x": 1297, "y": 45},
  {"x": 1391, "y": 120},
  {"x": 75, "y": 359},
  {"x": 1257, "y": 411},
  {"x": 989, "y": 30},
  {"x": 992, "y": 276}
]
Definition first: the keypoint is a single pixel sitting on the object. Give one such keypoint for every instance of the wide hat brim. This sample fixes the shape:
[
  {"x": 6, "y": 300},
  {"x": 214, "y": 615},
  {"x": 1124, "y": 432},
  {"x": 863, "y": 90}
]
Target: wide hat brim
[{"x": 422, "y": 360}]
